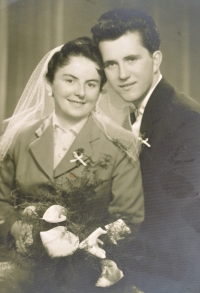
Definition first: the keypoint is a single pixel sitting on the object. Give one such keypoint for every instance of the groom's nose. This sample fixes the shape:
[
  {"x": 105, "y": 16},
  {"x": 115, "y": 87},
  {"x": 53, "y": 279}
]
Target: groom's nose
[{"x": 123, "y": 72}]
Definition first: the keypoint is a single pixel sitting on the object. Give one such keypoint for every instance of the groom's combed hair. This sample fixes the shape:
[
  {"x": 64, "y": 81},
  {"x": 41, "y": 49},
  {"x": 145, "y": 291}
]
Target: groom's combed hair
[{"x": 115, "y": 23}]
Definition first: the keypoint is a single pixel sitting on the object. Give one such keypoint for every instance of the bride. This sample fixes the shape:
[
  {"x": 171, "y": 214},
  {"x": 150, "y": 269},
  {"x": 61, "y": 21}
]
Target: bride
[{"x": 42, "y": 153}]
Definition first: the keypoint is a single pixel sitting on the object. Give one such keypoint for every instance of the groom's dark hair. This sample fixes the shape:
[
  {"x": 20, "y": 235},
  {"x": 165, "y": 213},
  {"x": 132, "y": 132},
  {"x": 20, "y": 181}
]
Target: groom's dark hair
[{"x": 115, "y": 23}]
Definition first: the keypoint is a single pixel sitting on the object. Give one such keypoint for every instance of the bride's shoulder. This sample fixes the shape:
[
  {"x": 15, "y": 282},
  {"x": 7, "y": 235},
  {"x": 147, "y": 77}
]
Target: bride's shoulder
[
  {"x": 28, "y": 132},
  {"x": 34, "y": 125}
]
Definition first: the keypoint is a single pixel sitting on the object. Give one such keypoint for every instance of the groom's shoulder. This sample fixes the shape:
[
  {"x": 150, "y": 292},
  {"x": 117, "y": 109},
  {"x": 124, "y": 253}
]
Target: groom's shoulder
[{"x": 166, "y": 94}]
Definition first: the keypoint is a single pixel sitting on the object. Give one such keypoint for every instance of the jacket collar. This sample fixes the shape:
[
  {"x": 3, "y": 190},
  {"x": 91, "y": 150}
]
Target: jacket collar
[{"x": 43, "y": 147}]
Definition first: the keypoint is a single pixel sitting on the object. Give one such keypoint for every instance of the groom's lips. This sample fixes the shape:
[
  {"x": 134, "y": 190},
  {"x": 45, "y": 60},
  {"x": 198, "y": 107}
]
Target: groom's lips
[{"x": 127, "y": 86}]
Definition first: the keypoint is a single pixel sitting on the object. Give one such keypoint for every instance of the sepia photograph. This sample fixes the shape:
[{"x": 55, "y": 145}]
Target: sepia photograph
[{"x": 99, "y": 146}]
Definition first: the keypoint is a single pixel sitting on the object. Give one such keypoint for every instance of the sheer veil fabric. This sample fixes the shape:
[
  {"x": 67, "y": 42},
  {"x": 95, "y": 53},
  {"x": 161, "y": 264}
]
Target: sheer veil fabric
[{"x": 111, "y": 113}]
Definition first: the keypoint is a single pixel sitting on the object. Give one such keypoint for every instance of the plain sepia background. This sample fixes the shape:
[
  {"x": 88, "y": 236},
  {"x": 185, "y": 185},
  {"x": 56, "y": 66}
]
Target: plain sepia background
[{"x": 30, "y": 28}]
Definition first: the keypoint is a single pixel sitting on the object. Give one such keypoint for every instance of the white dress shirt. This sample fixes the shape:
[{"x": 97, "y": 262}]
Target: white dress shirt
[
  {"x": 139, "y": 111},
  {"x": 63, "y": 138}
]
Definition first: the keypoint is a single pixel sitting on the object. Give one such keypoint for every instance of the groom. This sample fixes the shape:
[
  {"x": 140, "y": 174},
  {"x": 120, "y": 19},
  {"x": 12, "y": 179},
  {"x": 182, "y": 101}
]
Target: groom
[{"x": 166, "y": 255}]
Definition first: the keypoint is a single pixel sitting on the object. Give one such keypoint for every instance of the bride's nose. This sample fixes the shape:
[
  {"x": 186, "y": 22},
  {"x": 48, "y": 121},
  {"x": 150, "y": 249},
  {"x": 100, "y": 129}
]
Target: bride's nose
[{"x": 80, "y": 91}]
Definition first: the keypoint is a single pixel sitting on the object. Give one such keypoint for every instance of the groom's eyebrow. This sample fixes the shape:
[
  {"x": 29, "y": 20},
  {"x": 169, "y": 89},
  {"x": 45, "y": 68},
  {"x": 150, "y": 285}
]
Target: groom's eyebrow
[
  {"x": 108, "y": 62},
  {"x": 131, "y": 57},
  {"x": 93, "y": 79}
]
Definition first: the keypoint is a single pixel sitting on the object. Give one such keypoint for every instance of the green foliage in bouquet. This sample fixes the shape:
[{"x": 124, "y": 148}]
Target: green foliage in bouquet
[{"x": 83, "y": 211}]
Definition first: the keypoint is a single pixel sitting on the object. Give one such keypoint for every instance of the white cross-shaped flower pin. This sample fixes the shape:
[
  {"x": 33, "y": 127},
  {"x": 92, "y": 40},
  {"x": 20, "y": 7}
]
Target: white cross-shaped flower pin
[{"x": 78, "y": 158}]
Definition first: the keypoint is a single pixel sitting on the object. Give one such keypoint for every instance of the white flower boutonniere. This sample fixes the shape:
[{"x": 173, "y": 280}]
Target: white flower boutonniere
[
  {"x": 144, "y": 141},
  {"x": 78, "y": 158}
]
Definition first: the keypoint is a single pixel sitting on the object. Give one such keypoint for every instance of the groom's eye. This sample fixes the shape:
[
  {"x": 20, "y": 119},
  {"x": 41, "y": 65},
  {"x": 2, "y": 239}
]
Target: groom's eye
[
  {"x": 131, "y": 58},
  {"x": 110, "y": 64},
  {"x": 92, "y": 85}
]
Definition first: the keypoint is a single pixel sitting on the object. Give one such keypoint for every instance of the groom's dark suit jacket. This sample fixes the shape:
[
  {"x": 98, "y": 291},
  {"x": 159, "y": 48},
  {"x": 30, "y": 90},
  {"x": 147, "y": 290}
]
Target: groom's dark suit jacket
[{"x": 167, "y": 253}]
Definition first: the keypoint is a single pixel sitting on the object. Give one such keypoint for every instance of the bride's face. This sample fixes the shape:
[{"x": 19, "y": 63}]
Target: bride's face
[{"x": 76, "y": 87}]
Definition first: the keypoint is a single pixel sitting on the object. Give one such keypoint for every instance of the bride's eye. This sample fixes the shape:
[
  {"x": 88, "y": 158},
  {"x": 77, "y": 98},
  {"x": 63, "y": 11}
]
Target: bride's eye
[{"x": 69, "y": 80}]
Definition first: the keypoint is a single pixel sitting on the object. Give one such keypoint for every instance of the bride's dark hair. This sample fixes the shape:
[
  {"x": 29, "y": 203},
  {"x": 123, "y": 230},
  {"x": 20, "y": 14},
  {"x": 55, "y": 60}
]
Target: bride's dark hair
[{"x": 79, "y": 47}]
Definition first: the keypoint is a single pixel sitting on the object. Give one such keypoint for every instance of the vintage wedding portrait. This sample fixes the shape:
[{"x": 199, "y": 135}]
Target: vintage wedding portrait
[{"x": 99, "y": 146}]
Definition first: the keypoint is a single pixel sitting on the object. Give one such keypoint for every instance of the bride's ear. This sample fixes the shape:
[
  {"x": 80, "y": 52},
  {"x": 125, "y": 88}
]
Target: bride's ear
[
  {"x": 103, "y": 91},
  {"x": 49, "y": 90}
]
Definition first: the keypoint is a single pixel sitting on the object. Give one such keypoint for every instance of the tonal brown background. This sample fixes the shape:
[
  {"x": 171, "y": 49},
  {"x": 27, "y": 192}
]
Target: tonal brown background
[{"x": 30, "y": 28}]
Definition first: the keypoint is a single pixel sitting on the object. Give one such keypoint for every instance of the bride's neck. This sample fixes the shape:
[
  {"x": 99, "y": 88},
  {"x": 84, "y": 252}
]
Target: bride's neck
[{"x": 67, "y": 122}]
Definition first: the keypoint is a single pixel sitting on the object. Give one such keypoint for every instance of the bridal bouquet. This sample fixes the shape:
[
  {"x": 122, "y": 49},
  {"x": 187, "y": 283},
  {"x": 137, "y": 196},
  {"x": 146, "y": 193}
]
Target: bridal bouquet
[
  {"x": 66, "y": 225},
  {"x": 61, "y": 242}
]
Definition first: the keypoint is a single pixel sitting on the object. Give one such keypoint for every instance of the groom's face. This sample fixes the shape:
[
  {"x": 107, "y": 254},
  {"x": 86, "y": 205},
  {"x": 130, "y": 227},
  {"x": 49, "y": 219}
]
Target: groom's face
[{"x": 129, "y": 66}]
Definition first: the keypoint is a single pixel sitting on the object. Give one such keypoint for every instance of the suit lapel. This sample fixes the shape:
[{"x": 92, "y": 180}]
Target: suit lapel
[
  {"x": 155, "y": 108},
  {"x": 83, "y": 140},
  {"x": 42, "y": 148}
]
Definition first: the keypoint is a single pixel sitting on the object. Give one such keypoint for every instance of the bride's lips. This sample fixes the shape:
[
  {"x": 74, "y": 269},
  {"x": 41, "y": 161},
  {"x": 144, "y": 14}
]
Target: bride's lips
[
  {"x": 76, "y": 103},
  {"x": 127, "y": 86}
]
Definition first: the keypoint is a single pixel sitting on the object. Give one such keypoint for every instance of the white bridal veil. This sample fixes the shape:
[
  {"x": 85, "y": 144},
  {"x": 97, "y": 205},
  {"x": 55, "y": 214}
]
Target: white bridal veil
[{"x": 111, "y": 113}]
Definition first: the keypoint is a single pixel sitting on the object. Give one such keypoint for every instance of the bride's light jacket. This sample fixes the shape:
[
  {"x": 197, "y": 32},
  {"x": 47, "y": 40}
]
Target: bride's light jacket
[{"x": 31, "y": 164}]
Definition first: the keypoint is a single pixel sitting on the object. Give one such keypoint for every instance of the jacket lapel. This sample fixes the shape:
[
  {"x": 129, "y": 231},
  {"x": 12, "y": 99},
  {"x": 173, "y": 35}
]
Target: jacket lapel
[
  {"x": 42, "y": 148},
  {"x": 155, "y": 108},
  {"x": 89, "y": 133}
]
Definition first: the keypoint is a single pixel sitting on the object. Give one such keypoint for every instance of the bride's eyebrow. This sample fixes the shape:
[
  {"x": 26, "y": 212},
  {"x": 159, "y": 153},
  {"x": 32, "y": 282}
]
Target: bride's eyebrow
[{"x": 70, "y": 75}]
